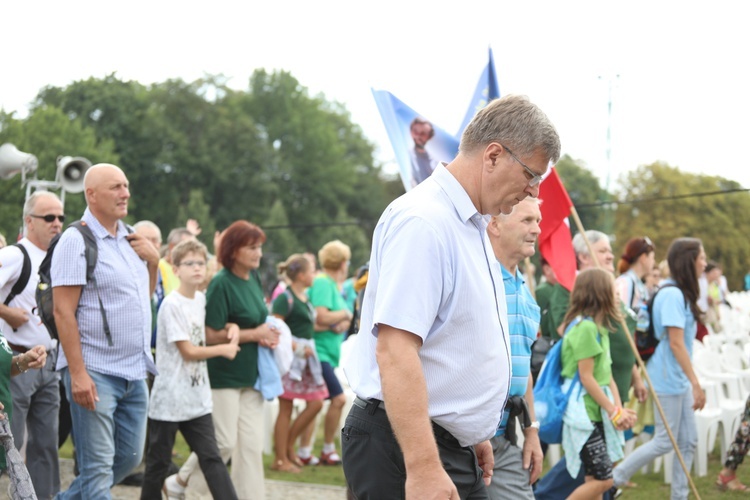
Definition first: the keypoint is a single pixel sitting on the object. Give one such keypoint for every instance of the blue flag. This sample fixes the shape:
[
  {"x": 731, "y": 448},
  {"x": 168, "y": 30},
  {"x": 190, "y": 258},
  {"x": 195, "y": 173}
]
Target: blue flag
[
  {"x": 487, "y": 89},
  {"x": 420, "y": 145}
]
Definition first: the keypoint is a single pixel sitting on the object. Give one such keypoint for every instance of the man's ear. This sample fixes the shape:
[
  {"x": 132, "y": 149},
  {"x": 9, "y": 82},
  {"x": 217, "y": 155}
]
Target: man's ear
[{"x": 492, "y": 152}]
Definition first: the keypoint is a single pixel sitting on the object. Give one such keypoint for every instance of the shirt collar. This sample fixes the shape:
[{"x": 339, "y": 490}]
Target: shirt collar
[
  {"x": 507, "y": 276},
  {"x": 455, "y": 191},
  {"x": 96, "y": 227}
]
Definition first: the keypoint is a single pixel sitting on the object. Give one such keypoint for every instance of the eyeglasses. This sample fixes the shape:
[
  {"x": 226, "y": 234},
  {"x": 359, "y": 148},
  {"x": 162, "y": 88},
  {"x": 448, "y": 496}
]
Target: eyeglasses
[
  {"x": 49, "y": 217},
  {"x": 535, "y": 178},
  {"x": 193, "y": 263}
]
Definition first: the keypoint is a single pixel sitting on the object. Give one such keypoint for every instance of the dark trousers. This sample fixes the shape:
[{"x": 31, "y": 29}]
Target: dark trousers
[
  {"x": 199, "y": 434},
  {"x": 374, "y": 465},
  {"x": 558, "y": 483}
]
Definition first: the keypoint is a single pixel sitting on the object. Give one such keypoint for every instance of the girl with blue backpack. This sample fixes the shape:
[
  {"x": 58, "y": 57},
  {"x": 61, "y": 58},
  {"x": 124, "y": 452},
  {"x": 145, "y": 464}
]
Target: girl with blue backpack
[{"x": 594, "y": 418}]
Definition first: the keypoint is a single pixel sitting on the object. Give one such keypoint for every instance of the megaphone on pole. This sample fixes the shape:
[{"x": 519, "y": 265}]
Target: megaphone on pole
[
  {"x": 13, "y": 161},
  {"x": 70, "y": 172}
]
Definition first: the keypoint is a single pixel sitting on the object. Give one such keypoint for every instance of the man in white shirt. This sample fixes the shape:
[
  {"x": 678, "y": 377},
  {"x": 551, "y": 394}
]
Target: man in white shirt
[
  {"x": 431, "y": 364},
  {"x": 36, "y": 394}
]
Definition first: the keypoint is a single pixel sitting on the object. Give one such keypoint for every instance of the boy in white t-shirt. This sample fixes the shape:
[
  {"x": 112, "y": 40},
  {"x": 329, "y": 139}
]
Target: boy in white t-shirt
[{"x": 181, "y": 394}]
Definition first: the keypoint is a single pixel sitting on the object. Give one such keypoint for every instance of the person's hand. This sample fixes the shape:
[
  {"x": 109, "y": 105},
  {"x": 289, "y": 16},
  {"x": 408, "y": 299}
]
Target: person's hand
[
  {"x": 533, "y": 458},
  {"x": 639, "y": 390},
  {"x": 144, "y": 248},
  {"x": 308, "y": 351},
  {"x": 193, "y": 226},
  {"x": 230, "y": 350},
  {"x": 233, "y": 332},
  {"x": 627, "y": 420},
  {"x": 35, "y": 358},
  {"x": 16, "y": 317},
  {"x": 430, "y": 482},
  {"x": 217, "y": 241},
  {"x": 341, "y": 326},
  {"x": 486, "y": 460},
  {"x": 699, "y": 397},
  {"x": 269, "y": 336},
  {"x": 83, "y": 390}
]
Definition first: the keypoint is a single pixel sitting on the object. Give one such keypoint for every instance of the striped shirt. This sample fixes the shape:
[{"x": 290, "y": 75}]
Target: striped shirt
[
  {"x": 523, "y": 324},
  {"x": 431, "y": 274},
  {"x": 122, "y": 281}
]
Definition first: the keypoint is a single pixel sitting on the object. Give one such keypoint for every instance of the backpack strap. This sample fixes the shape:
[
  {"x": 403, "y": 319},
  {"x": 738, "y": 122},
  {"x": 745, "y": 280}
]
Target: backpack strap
[
  {"x": 23, "y": 278},
  {"x": 92, "y": 254}
]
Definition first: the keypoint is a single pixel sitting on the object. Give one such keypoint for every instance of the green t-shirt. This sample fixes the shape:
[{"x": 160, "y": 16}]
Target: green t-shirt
[
  {"x": 622, "y": 355},
  {"x": 324, "y": 292},
  {"x": 543, "y": 294},
  {"x": 558, "y": 306},
  {"x": 6, "y": 358},
  {"x": 586, "y": 340},
  {"x": 623, "y": 358},
  {"x": 300, "y": 320},
  {"x": 231, "y": 299}
]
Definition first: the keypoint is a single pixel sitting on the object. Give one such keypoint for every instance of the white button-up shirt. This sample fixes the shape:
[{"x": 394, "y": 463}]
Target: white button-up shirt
[{"x": 431, "y": 274}]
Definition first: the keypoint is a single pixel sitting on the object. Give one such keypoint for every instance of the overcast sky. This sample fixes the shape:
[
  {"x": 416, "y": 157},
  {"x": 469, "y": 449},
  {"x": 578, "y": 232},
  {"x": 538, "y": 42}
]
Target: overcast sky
[{"x": 677, "y": 72}]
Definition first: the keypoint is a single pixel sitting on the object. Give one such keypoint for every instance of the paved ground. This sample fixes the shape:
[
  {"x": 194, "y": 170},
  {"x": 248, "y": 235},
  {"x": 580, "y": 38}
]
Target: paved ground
[{"x": 275, "y": 490}]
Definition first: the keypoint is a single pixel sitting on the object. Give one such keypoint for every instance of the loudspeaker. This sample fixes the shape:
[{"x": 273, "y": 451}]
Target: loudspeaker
[
  {"x": 70, "y": 172},
  {"x": 13, "y": 161}
]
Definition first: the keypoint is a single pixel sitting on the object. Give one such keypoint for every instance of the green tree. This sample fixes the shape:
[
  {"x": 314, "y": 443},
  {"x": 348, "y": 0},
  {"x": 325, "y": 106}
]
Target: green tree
[
  {"x": 47, "y": 133},
  {"x": 662, "y": 209},
  {"x": 584, "y": 188}
]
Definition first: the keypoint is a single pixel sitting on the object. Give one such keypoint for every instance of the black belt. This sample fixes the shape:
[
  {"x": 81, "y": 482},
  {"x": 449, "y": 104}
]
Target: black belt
[
  {"x": 18, "y": 348},
  {"x": 372, "y": 405},
  {"x": 369, "y": 405}
]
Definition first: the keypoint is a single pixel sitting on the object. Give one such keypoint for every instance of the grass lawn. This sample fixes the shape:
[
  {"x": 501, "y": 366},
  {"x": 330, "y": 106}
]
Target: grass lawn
[{"x": 650, "y": 486}]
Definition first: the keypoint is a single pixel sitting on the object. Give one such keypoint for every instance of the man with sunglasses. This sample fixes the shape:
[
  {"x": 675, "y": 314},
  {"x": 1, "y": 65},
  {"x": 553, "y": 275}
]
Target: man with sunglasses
[{"x": 36, "y": 393}]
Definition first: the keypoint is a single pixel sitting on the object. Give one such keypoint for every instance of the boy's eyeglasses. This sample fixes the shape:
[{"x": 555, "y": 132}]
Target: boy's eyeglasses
[{"x": 193, "y": 263}]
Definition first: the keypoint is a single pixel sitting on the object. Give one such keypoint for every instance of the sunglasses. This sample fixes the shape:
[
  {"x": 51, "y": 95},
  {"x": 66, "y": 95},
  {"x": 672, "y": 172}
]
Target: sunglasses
[{"x": 49, "y": 217}]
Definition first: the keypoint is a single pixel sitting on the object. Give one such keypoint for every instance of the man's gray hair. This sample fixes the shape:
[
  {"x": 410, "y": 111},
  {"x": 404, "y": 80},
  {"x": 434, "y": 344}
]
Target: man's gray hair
[
  {"x": 28, "y": 207},
  {"x": 515, "y": 122},
  {"x": 177, "y": 234},
  {"x": 594, "y": 237},
  {"x": 148, "y": 224}
]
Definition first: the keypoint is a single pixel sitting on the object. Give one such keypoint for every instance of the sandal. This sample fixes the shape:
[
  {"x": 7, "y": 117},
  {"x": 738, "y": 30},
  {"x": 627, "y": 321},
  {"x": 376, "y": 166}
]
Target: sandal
[
  {"x": 332, "y": 458},
  {"x": 730, "y": 483},
  {"x": 282, "y": 466}
]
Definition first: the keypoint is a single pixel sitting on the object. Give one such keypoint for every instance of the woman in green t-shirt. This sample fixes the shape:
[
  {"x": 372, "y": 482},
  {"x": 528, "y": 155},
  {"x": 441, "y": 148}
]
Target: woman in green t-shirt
[{"x": 332, "y": 321}]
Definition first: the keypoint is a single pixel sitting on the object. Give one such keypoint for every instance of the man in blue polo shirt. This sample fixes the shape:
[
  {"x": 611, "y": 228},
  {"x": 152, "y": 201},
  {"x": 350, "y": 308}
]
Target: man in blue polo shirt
[
  {"x": 513, "y": 238},
  {"x": 104, "y": 369}
]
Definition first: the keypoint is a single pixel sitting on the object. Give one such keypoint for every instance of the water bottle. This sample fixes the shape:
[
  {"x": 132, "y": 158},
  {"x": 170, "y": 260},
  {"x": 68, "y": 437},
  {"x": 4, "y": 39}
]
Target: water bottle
[{"x": 643, "y": 319}]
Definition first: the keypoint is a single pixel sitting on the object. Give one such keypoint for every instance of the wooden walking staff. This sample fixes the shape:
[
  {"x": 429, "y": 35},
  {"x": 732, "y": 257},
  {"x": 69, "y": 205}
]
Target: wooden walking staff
[{"x": 641, "y": 365}]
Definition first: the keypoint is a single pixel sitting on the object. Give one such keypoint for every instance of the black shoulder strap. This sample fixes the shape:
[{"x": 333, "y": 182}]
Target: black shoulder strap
[
  {"x": 23, "y": 278},
  {"x": 92, "y": 255}
]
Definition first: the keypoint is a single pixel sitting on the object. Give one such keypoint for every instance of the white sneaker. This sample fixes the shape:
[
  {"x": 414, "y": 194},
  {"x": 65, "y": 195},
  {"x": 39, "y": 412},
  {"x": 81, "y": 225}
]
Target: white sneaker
[{"x": 173, "y": 489}]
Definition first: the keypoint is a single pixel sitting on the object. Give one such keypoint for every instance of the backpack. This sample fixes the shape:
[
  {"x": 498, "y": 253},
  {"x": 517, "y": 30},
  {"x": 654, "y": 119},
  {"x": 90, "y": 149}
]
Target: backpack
[
  {"x": 23, "y": 278},
  {"x": 645, "y": 336},
  {"x": 44, "y": 303},
  {"x": 549, "y": 399}
]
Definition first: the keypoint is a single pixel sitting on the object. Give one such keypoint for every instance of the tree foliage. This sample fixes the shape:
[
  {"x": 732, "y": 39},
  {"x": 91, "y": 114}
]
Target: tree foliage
[
  {"x": 583, "y": 188},
  {"x": 272, "y": 154},
  {"x": 663, "y": 214}
]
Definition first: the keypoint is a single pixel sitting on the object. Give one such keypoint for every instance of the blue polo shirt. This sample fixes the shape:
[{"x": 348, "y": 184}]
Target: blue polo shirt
[{"x": 523, "y": 324}]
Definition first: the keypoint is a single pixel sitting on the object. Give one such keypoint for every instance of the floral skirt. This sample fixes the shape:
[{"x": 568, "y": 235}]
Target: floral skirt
[{"x": 305, "y": 389}]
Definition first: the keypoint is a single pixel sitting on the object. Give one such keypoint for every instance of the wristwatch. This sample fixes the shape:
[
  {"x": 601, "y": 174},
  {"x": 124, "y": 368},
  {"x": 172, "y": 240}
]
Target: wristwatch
[{"x": 534, "y": 425}]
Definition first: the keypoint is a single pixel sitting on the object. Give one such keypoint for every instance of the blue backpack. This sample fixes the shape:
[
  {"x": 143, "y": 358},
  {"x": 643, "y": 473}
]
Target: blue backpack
[{"x": 549, "y": 399}]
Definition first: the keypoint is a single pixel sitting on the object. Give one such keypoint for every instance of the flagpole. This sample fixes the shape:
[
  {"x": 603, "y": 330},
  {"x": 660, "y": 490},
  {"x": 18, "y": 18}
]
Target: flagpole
[{"x": 640, "y": 363}]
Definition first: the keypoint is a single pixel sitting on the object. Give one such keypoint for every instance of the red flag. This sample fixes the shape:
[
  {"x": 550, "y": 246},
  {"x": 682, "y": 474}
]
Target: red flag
[{"x": 555, "y": 243}]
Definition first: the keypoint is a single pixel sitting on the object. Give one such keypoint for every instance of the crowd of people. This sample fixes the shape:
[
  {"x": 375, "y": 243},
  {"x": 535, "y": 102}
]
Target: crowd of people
[{"x": 168, "y": 337}]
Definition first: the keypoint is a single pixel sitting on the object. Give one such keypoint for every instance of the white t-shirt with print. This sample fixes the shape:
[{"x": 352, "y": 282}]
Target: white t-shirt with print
[{"x": 181, "y": 391}]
